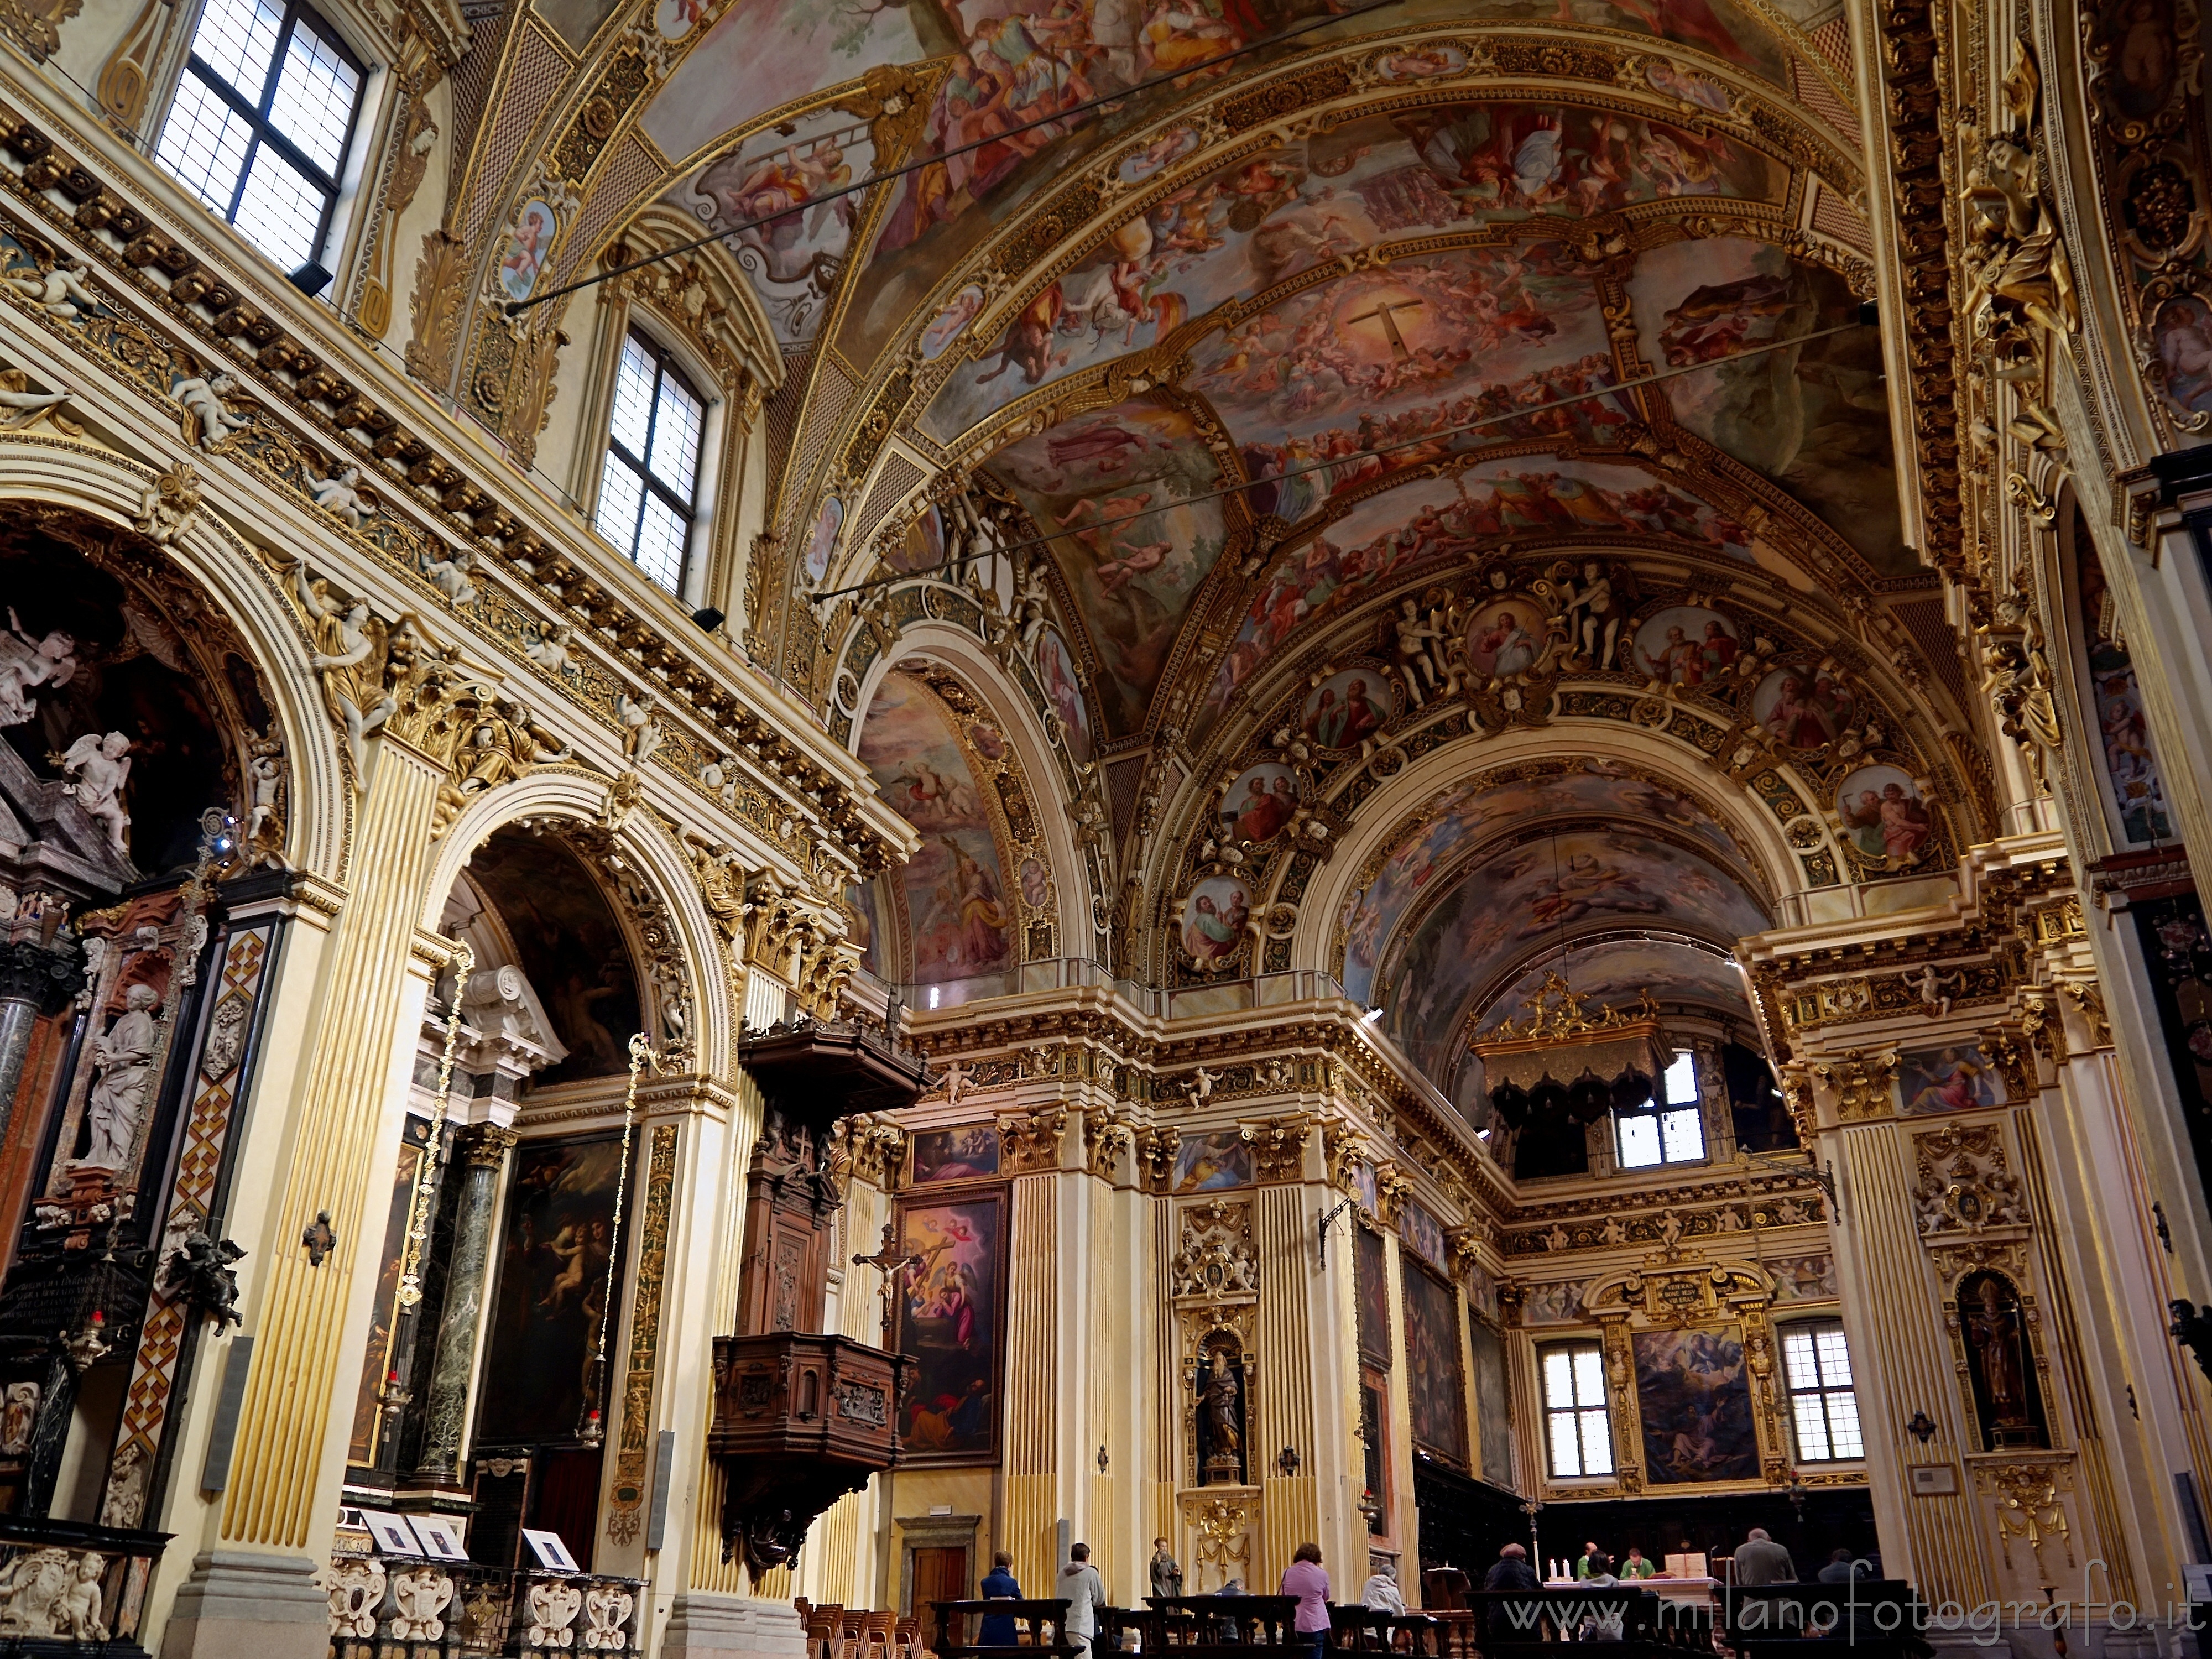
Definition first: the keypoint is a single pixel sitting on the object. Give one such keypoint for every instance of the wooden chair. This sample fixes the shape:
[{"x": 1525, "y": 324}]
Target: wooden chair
[
  {"x": 821, "y": 1632},
  {"x": 876, "y": 1630},
  {"x": 906, "y": 1638}
]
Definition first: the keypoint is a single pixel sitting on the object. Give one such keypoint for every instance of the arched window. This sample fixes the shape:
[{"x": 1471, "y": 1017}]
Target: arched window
[
  {"x": 262, "y": 121},
  {"x": 649, "y": 482}
]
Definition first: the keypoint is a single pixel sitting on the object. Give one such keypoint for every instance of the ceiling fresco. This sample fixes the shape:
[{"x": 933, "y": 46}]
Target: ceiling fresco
[
  {"x": 1528, "y": 895},
  {"x": 1138, "y": 463},
  {"x": 954, "y": 918},
  {"x": 1457, "y": 819},
  {"x": 1261, "y": 219}
]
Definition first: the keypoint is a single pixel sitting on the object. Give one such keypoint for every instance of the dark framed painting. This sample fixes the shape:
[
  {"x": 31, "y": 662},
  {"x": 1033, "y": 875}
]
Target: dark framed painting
[
  {"x": 1371, "y": 1287},
  {"x": 951, "y": 1318},
  {"x": 552, "y": 1292},
  {"x": 1493, "y": 1406},
  {"x": 1696, "y": 1405},
  {"x": 1435, "y": 1385},
  {"x": 968, "y": 1154}
]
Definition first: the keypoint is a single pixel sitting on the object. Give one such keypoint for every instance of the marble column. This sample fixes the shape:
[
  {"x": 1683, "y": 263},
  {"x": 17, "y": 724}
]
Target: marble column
[
  {"x": 34, "y": 980},
  {"x": 483, "y": 1152}
]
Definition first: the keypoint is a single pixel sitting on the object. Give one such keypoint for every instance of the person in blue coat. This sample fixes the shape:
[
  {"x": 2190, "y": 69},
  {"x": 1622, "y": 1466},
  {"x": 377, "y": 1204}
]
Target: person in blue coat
[{"x": 999, "y": 1586}]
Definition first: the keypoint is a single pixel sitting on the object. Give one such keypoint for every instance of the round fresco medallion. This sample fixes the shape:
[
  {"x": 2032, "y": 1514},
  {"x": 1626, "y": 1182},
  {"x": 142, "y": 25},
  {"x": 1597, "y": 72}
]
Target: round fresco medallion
[
  {"x": 1803, "y": 708},
  {"x": 1505, "y": 638},
  {"x": 2181, "y": 334},
  {"x": 1260, "y": 802},
  {"x": 1344, "y": 708},
  {"x": 1884, "y": 815},
  {"x": 1213, "y": 919},
  {"x": 951, "y": 322},
  {"x": 527, "y": 247},
  {"x": 1158, "y": 156},
  {"x": 674, "y": 19},
  {"x": 1422, "y": 63},
  {"x": 990, "y": 743},
  {"x": 1685, "y": 645},
  {"x": 823, "y": 541}
]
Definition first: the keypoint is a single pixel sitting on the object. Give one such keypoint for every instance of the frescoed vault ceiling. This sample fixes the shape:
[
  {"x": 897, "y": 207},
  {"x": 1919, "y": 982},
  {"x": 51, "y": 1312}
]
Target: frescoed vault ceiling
[
  {"x": 1532, "y": 892},
  {"x": 1426, "y": 212}
]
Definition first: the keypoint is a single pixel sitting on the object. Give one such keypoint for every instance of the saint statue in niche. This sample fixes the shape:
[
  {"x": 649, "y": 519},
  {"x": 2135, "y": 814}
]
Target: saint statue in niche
[
  {"x": 125, "y": 1059},
  {"x": 1996, "y": 1350},
  {"x": 1221, "y": 1421}
]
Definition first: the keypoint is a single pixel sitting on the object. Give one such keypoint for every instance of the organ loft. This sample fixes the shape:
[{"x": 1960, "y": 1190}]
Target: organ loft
[{"x": 811, "y": 810}]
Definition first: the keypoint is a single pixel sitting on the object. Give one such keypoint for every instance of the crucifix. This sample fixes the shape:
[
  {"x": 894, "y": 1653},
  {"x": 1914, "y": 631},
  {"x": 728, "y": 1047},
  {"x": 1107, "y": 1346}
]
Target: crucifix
[
  {"x": 1382, "y": 314},
  {"x": 887, "y": 1261}
]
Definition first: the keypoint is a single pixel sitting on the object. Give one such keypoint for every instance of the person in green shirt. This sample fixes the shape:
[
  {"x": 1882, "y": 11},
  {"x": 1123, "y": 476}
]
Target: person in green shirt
[
  {"x": 1636, "y": 1566},
  {"x": 1582, "y": 1565}
]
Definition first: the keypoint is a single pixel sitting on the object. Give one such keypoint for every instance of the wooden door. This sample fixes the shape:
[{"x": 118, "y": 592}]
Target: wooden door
[{"x": 940, "y": 1574}]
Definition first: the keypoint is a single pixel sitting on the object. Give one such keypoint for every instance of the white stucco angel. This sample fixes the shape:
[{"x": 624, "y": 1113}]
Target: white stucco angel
[
  {"x": 550, "y": 650},
  {"x": 342, "y": 495},
  {"x": 344, "y": 647},
  {"x": 27, "y": 663},
  {"x": 454, "y": 575},
  {"x": 641, "y": 728},
  {"x": 98, "y": 767},
  {"x": 61, "y": 293},
  {"x": 203, "y": 399},
  {"x": 24, "y": 407}
]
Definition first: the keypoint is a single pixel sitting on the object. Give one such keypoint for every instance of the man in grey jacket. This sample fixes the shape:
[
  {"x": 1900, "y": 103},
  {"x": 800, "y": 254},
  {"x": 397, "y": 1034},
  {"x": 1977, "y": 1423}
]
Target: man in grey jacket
[
  {"x": 1085, "y": 1592},
  {"x": 1760, "y": 1560}
]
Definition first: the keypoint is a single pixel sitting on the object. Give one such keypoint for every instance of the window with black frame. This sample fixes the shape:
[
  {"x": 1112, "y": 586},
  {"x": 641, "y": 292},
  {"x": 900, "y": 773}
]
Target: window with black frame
[
  {"x": 1577, "y": 1432},
  {"x": 263, "y": 119},
  {"x": 649, "y": 484},
  {"x": 1823, "y": 1408},
  {"x": 1669, "y": 1130}
]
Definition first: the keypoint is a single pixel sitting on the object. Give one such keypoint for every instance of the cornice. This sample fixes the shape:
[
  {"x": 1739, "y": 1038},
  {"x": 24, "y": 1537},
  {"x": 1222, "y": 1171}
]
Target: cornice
[{"x": 429, "y": 474}]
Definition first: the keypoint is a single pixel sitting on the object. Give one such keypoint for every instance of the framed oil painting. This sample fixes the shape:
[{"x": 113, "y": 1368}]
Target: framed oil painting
[
  {"x": 1696, "y": 1405},
  {"x": 1436, "y": 1387},
  {"x": 1371, "y": 1297},
  {"x": 970, "y": 1153},
  {"x": 1424, "y": 1235},
  {"x": 1803, "y": 1278},
  {"x": 552, "y": 1290},
  {"x": 951, "y": 1317},
  {"x": 1494, "y": 1410}
]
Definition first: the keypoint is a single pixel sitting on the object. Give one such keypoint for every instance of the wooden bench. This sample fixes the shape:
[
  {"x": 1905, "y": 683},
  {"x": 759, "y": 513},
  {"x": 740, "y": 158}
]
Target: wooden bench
[
  {"x": 1037, "y": 1619},
  {"x": 1634, "y": 1622},
  {"x": 1363, "y": 1630},
  {"x": 1877, "y": 1618}
]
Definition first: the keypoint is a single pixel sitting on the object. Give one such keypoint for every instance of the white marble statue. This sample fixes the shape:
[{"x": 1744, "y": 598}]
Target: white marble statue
[
  {"x": 125, "y": 1057},
  {"x": 342, "y": 495},
  {"x": 202, "y": 399},
  {"x": 61, "y": 293},
  {"x": 454, "y": 575},
  {"x": 27, "y": 663},
  {"x": 98, "y": 767}
]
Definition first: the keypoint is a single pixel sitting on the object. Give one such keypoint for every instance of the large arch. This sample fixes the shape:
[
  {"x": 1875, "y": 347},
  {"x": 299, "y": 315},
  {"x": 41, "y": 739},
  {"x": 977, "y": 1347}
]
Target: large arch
[
  {"x": 577, "y": 799},
  {"x": 113, "y": 490}
]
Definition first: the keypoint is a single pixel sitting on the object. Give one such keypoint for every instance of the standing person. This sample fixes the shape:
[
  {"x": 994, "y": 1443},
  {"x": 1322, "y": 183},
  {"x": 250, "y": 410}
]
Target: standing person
[
  {"x": 997, "y": 1628},
  {"x": 1305, "y": 1579},
  {"x": 1085, "y": 1592},
  {"x": 1582, "y": 1566},
  {"x": 1636, "y": 1566},
  {"x": 1760, "y": 1560}
]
